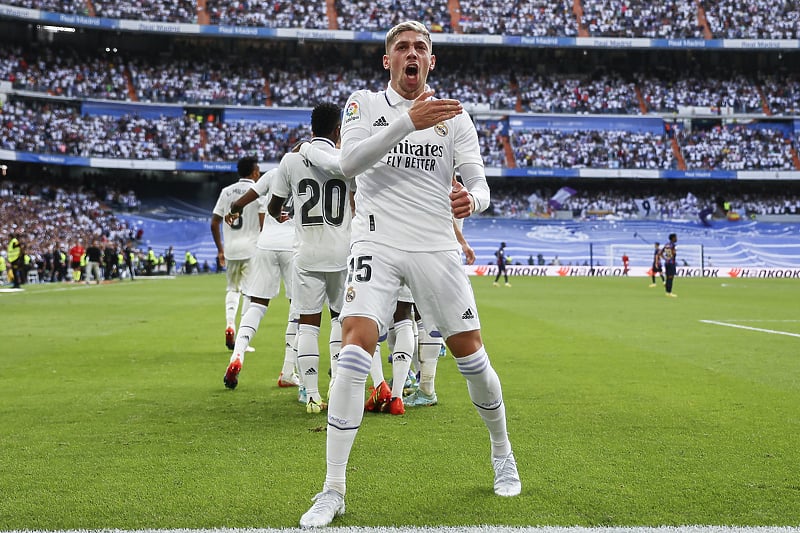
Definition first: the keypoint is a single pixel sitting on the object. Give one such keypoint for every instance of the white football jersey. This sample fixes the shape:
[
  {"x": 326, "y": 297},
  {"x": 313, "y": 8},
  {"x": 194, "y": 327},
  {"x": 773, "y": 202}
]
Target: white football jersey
[
  {"x": 239, "y": 239},
  {"x": 274, "y": 235},
  {"x": 321, "y": 207},
  {"x": 402, "y": 201}
]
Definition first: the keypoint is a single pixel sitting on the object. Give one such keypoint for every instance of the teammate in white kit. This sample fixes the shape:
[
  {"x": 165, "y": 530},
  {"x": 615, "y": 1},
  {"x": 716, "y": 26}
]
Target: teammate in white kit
[
  {"x": 236, "y": 244},
  {"x": 273, "y": 261},
  {"x": 323, "y": 214},
  {"x": 403, "y": 147}
]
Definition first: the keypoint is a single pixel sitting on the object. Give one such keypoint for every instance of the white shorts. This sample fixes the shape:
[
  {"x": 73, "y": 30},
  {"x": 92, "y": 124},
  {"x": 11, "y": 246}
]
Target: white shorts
[
  {"x": 312, "y": 289},
  {"x": 440, "y": 287},
  {"x": 267, "y": 268},
  {"x": 405, "y": 294},
  {"x": 236, "y": 272}
]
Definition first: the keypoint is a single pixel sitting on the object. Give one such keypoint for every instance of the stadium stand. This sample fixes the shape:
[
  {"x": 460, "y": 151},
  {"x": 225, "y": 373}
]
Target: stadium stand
[{"x": 553, "y": 109}]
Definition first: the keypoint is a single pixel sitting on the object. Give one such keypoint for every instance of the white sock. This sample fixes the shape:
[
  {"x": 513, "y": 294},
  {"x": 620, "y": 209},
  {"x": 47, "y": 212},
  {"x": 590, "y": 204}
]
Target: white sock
[
  {"x": 345, "y": 412},
  {"x": 245, "y": 303},
  {"x": 487, "y": 396},
  {"x": 231, "y": 307},
  {"x": 401, "y": 356},
  {"x": 376, "y": 370},
  {"x": 335, "y": 344},
  {"x": 391, "y": 338},
  {"x": 290, "y": 352},
  {"x": 308, "y": 359},
  {"x": 429, "y": 347},
  {"x": 415, "y": 358},
  {"x": 247, "y": 329}
]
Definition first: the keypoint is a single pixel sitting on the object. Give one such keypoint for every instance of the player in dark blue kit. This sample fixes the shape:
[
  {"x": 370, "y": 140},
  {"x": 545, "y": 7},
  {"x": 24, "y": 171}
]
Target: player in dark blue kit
[
  {"x": 656, "y": 268},
  {"x": 500, "y": 254},
  {"x": 669, "y": 255}
]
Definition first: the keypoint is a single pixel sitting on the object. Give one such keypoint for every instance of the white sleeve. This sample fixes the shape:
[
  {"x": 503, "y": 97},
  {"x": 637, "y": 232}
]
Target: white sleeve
[
  {"x": 281, "y": 185},
  {"x": 475, "y": 182},
  {"x": 262, "y": 185},
  {"x": 361, "y": 147},
  {"x": 327, "y": 161},
  {"x": 219, "y": 207}
]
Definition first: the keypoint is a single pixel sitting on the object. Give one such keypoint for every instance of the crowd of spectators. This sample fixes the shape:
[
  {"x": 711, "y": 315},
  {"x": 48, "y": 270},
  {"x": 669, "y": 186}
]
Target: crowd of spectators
[
  {"x": 737, "y": 147},
  {"x": 528, "y": 200},
  {"x": 749, "y": 19},
  {"x": 668, "y": 94},
  {"x": 268, "y": 13},
  {"x": 150, "y": 10},
  {"x": 591, "y": 149},
  {"x": 641, "y": 18},
  {"x": 60, "y": 129},
  {"x": 571, "y": 94},
  {"x": 46, "y": 216},
  {"x": 63, "y": 72},
  {"x": 54, "y": 127},
  {"x": 282, "y": 80},
  {"x": 670, "y": 19},
  {"x": 198, "y": 82},
  {"x": 514, "y": 17},
  {"x": 363, "y": 15}
]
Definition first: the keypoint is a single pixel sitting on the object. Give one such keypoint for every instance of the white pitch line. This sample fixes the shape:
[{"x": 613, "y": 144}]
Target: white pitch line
[
  {"x": 773, "y": 331},
  {"x": 461, "y": 529},
  {"x": 765, "y": 320}
]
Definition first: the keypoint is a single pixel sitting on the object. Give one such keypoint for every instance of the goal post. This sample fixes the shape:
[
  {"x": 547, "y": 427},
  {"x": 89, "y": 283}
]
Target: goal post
[{"x": 642, "y": 254}]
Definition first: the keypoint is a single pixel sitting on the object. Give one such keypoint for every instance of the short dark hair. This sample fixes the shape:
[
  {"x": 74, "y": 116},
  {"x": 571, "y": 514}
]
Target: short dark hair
[
  {"x": 246, "y": 165},
  {"x": 325, "y": 117},
  {"x": 673, "y": 236}
]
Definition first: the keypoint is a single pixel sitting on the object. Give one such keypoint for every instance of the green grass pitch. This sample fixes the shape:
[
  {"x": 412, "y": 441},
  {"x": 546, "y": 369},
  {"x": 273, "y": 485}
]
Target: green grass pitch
[{"x": 624, "y": 409}]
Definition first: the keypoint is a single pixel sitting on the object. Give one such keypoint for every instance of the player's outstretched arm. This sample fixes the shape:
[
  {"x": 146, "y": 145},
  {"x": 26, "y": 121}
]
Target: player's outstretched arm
[
  {"x": 238, "y": 206},
  {"x": 473, "y": 196},
  {"x": 275, "y": 208},
  {"x": 362, "y": 148},
  {"x": 327, "y": 161},
  {"x": 469, "y": 253},
  {"x": 426, "y": 113},
  {"x": 216, "y": 220}
]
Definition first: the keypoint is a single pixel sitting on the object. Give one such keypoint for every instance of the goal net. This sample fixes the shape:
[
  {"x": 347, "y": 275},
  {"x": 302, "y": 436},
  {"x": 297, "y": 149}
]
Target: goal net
[{"x": 642, "y": 254}]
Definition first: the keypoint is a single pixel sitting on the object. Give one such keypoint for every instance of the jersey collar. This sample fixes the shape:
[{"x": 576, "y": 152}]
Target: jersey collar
[
  {"x": 323, "y": 140},
  {"x": 393, "y": 98}
]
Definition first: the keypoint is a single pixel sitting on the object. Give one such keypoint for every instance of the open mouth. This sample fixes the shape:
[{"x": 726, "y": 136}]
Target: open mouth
[{"x": 412, "y": 70}]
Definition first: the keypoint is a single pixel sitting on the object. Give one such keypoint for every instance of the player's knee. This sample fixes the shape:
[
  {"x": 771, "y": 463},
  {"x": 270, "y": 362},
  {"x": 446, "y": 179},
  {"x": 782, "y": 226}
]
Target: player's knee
[{"x": 465, "y": 343}]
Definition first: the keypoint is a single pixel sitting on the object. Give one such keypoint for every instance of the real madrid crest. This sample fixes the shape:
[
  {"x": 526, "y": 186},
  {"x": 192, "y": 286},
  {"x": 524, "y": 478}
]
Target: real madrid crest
[
  {"x": 440, "y": 129},
  {"x": 350, "y": 295}
]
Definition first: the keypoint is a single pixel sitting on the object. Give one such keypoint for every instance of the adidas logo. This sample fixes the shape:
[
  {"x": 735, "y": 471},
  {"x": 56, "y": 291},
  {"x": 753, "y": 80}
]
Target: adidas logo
[
  {"x": 467, "y": 314},
  {"x": 380, "y": 122},
  {"x": 311, "y": 372},
  {"x": 400, "y": 356}
]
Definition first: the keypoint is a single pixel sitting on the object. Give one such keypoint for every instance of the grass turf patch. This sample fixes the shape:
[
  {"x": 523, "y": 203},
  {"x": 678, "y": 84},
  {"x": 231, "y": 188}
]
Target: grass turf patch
[{"x": 624, "y": 409}]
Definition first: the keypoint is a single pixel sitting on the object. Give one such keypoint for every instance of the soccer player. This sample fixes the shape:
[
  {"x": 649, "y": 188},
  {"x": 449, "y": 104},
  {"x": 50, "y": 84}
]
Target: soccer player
[
  {"x": 273, "y": 262},
  {"x": 322, "y": 227},
  {"x": 400, "y": 339},
  {"x": 236, "y": 243},
  {"x": 430, "y": 342},
  {"x": 403, "y": 147},
  {"x": 625, "y": 264},
  {"x": 656, "y": 268},
  {"x": 500, "y": 255},
  {"x": 669, "y": 255}
]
